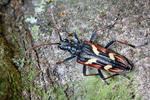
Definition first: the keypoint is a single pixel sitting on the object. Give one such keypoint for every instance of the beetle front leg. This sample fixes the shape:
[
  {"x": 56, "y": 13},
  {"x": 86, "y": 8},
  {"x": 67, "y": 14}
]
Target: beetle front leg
[
  {"x": 67, "y": 59},
  {"x": 75, "y": 35}
]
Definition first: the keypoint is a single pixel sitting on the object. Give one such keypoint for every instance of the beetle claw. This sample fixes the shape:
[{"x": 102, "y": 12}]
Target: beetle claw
[{"x": 106, "y": 82}]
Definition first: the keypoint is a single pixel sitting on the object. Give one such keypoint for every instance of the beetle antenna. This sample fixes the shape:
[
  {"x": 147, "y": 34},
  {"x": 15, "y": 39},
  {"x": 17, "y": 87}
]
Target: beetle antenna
[
  {"x": 43, "y": 45},
  {"x": 59, "y": 35},
  {"x": 55, "y": 25}
]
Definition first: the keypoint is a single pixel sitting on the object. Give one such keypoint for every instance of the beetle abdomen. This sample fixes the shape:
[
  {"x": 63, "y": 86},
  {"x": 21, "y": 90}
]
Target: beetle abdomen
[{"x": 99, "y": 57}]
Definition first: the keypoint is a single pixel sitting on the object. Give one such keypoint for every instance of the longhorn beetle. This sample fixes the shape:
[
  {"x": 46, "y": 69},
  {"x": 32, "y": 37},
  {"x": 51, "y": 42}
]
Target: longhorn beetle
[{"x": 89, "y": 54}]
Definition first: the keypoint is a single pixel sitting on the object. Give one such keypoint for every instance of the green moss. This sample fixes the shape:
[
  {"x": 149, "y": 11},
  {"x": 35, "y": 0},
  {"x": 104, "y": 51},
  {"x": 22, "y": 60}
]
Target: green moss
[
  {"x": 29, "y": 75},
  {"x": 36, "y": 36},
  {"x": 92, "y": 88},
  {"x": 35, "y": 28},
  {"x": 48, "y": 1},
  {"x": 10, "y": 84},
  {"x": 102, "y": 10},
  {"x": 60, "y": 95}
]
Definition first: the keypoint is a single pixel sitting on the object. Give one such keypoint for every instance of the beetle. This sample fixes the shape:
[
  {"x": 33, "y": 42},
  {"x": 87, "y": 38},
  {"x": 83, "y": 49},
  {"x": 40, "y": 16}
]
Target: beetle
[{"x": 92, "y": 55}]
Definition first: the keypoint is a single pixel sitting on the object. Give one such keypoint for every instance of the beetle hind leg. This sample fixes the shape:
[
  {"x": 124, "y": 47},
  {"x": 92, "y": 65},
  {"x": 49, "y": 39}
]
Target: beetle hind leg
[
  {"x": 111, "y": 76},
  {"x": 125, "y": 76},
  {"x": 133, "y": 46},
  {"x": 118, "y": 74},
  {"x": 99, "y": 73},
  {"x": 102, "y": 77},
  {"x": 84, "y": 72}
]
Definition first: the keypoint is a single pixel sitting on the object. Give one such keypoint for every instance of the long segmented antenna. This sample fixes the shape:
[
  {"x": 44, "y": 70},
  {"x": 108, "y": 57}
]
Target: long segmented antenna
[
  {"x": 43, "y": 45},
  {"x": 55, "y": 25},
  {"x": 109, "y": 26}
]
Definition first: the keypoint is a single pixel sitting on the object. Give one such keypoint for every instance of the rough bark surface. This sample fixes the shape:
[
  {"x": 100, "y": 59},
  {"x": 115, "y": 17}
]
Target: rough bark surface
[{"x": 27, "y": 23}]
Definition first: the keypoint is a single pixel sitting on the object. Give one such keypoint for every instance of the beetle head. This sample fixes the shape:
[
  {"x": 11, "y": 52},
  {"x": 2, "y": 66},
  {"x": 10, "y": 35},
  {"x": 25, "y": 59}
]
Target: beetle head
[{"x": 64, "y": 44}]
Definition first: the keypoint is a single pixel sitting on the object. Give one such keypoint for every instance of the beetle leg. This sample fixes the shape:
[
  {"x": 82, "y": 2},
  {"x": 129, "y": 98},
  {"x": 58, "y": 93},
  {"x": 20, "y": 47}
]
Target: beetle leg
[
  {"x": 84, "y": 72},
  {"x": 99, "y": 73},
  {"x": 93, "y": 36},
  {"x": 118, "y": 74},
  {"x": 102, "y": 29},
  {"x": 109, "y": 44},
  {"x": 102, "y": 76},
  {"x": 133, "y": 46},
  {"x": 75, "y": 35},
  {"x": 67, "y": 59},
  {"x": 125, "y": 76},
  {"x": 111, "y": 76}
]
